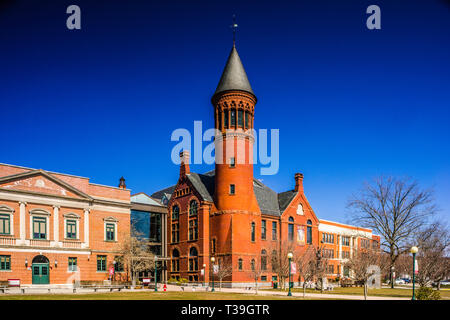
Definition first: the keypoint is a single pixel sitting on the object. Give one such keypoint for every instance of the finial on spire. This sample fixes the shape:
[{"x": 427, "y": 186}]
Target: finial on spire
[{"x": 234, "y": 27}]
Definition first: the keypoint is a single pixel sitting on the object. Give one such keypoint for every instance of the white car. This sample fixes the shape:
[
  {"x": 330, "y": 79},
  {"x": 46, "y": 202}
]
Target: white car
[{"x": 399, "y": 281}]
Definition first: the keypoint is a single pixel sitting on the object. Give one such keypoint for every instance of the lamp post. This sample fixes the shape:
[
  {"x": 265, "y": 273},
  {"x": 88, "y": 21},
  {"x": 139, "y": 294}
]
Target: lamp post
[
  {"x": 204, "y": 273},
  {"x": 114, "y": 274},
  {"x": 290, "y": 255},
  {"x": 156, "y": 274},
  {"x": 212, "y": 265},
  {"x": 414, "y": 251}
]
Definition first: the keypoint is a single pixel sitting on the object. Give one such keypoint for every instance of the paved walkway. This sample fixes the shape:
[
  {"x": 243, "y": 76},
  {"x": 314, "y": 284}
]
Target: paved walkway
[{"x": 283, "y": 293}]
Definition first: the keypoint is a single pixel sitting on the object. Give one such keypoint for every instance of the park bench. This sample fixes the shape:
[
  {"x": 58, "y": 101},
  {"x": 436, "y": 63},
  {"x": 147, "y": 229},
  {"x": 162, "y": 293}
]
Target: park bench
[{"x": 101, "y": 287}]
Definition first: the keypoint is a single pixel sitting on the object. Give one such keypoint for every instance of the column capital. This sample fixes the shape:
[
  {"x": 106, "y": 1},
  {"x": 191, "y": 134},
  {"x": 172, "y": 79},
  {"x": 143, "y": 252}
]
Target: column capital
[
  {"x": 56, "y": 207},
  {"x": 23, "y": 202},
  {"x": 87, "y": 210}
]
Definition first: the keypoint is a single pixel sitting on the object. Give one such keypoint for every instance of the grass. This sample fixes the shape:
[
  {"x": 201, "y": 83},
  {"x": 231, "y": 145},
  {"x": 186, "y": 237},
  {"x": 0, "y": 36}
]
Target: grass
[
  {"x": 384, "y": 292},
  {"x": 147, "y": 296}
]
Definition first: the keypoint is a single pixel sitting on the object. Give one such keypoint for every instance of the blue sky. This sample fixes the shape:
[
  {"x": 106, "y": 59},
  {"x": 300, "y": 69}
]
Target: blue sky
[{"x": 350, "y": 103}]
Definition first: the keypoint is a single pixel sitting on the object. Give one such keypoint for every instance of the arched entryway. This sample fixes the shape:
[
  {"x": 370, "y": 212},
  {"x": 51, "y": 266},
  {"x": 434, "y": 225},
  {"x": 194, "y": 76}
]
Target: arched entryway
[{"x": 40, "y": 269}]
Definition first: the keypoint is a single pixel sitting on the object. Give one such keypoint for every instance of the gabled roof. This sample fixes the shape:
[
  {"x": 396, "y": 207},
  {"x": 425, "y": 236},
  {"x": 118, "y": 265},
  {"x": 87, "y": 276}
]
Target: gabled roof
[
  {"x": 143, "y": 198},
  {"x": 269, "y": 201},
  {"x": 43, "y": 173},
  {"x": 234, "y": 76},
  {"x": 284, "y": 198}
]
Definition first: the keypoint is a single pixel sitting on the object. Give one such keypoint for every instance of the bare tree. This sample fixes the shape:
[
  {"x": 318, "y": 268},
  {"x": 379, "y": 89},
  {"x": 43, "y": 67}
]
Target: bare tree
[
  {"x": 395, "y": 209},
  {"x": 306, "y": 266},
  {"x": 135, "y": 255},
  {"x": 256, "y": 270},
  {"x": 359, "y": 263},
  {"x": 225, "y": 269},
  {"x": 279, "y": 261},
  {"x": 434, "y": 245}
]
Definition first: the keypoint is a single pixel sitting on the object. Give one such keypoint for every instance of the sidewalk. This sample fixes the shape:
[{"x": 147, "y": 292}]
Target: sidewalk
[{"x": 295, "y": 294}]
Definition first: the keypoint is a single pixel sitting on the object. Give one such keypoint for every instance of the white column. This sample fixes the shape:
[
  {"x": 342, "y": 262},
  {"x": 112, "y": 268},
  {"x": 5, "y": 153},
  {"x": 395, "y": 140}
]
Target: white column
[
  {"x": 56, "y": 223},
  {"x": 86, "y": 227},
  {"x": 22, "y": 221}
]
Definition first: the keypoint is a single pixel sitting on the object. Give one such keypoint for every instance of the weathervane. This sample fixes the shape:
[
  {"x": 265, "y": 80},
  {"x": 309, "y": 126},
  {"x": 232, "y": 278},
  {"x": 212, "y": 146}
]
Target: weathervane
[{"x": 234, "y": 27}]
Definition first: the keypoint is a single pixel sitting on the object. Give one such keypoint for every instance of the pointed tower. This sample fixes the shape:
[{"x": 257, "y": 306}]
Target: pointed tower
[{"x": 234, "y": 106}]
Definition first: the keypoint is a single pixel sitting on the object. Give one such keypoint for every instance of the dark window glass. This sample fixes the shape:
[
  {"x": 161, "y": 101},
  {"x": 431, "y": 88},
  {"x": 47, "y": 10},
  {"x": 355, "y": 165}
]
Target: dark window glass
[
  {"x": 155, "y": 227},
  {"x": 72, "y": 264},
  {"x": 225, "y": 119},
  {"x": 175, "y": 232},
  {"x": 39, "y": 228},
  {"x": 233, "y": 118},
  {"x": 291, "y": 229},
  {"x": 5, "y": 262},
  {"x": 5, "y": 224},
  {"x": 263, "y": 229},
  {"x": 110, "y": 232},
  {"x": 309, "y": 232},
  {"x": 274, "y": 230},
  {"x": 233, "y": 162},
  {"x": 71, "y": 229},
  {"x": 253, "y": 231},
  {"x": 219, "y": 121},
  {"x": 240, "y": 118},
  {"x": 118, "y": 266},
  {"x": 232, "y": 189},
  {"x": 240, "y": 264},
  {"x": 101, "y": 263},
  {"x": 175, "y": 212},
  {"x": 193, "y": 259},
  {"x": 263, "y": 260},
  {"x": 193, "y": 208}
]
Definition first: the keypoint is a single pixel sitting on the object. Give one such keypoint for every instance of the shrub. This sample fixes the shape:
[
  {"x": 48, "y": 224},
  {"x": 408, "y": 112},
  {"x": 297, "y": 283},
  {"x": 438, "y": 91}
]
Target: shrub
[{"x": 426, "y": 293}]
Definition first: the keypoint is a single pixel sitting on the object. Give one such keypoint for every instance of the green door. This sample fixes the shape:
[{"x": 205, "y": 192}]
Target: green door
[{"x": 40, "y": 273}]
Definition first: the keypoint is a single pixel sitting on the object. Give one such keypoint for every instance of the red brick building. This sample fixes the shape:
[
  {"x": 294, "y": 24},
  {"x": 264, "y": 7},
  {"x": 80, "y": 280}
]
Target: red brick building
[
  {"x": 56, "y": 228},
  {"x": 226, "y": 213}
]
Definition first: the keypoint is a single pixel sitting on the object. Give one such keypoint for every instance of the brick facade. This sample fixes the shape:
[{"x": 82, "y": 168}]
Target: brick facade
[{"x": 57, "y": 200}]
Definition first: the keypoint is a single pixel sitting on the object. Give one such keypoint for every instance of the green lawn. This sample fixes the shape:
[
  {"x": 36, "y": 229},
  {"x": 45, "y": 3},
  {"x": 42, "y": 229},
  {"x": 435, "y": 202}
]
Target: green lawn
[
  {"x": 146, "y": 296},
  {"x": 384, "y": 292}
]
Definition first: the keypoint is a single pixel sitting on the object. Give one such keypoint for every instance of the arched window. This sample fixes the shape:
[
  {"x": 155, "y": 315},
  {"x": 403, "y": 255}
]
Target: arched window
[
  {"x": 247, "y": 123},
  {"x": 225, "y": 118},
  {"x": 240, "y": 118},
  {"x": 253, "y": 231},
  {"x": 193, "y": 207},
  {"x": 219, "y": 120},
  {"x": 175, "y": 260},
  {"x": 291, "y": 229},
  {"x": 309, "y": 232},
  {"x": 193, "y": 259},
  {"x": 175, "y": 212},
  {"x": 263, "y": 260},
  {"x": 175, "y": 225},
  {"x": 233, "y": 117},
  {"x": 240, "y": 264}
]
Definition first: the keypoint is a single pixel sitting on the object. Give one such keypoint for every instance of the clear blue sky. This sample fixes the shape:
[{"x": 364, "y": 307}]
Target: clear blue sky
[{"x": 350, "y": 103}]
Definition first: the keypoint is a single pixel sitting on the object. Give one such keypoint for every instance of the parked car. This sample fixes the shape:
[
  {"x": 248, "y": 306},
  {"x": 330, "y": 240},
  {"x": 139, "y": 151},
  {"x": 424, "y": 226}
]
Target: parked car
[
  {"x": 399, "y": 281},
  {"x": 407, "y": 280}
]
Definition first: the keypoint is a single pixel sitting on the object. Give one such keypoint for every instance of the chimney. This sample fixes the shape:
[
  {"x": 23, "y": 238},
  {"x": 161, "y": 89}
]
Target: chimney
[
  {"x": 122, "y": 184},
  {"x": 299, "y": 182},
  {"x": 184, "y": 165}
]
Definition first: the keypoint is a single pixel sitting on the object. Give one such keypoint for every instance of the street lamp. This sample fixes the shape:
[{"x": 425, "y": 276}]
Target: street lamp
[
  {"x": 204, "y": 273},
  {"x": 414, "y": 251},
  {"x": 212, "y": 265},
  {"x": 290, "y": 255},
  {"x": 156, "y": 274}
]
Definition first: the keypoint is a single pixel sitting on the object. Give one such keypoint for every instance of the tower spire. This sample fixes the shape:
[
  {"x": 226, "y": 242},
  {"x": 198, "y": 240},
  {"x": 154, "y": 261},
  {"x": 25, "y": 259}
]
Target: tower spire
[{"x": 234, "y": 27}]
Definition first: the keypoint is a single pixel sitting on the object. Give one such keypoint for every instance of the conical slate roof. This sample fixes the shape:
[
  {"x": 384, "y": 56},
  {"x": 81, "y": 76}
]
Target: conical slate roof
[{"x": 234, "y": 76}]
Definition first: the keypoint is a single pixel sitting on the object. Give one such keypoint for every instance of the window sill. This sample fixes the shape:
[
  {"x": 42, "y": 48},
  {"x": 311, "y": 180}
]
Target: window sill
[
  {"x": 102, "y": 271},
  {"x": 5, "y": 270},
  {"x": 110, "y": 241}
]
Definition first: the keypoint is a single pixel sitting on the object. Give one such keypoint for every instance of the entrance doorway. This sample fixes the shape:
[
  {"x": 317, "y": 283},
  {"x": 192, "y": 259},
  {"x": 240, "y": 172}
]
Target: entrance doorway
[{"x": 40, "y": 269}]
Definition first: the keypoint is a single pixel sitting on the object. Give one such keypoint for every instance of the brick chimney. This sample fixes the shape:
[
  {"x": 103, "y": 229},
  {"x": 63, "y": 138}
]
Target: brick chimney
[
  {"x": 299, "y": 182},
  {"x": 184, "y": 165},
  {"x": 122, "y": 184}
]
